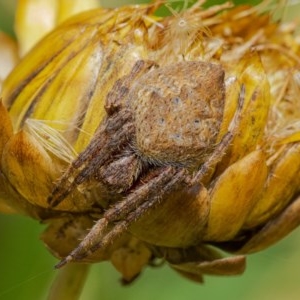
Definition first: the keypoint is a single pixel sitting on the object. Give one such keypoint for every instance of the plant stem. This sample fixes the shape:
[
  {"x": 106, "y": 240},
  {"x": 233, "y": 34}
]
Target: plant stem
[{"x": 69, "y": 282}]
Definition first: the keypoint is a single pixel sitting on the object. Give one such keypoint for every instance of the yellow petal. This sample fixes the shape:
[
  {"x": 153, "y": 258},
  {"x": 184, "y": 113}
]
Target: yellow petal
[
  {"x": 234, "y": 195},
  {"x": 68, "y": 75},
  {"x": 35, "y": 18},
  {"x": 42, "y": 66},
  {"x": 229, "y": 266},
  {"x": 10, "y": 200},
  {"x": 31, "y": 171},
  {"x": 5, "y": 134},
  {"x": 283, "y": 182},
  {"x": 130, "y": 259},
  {"x": 67, "y": 8},
  {"x": 28, "y": 168},
  {"x": 8, "y": 56},
  {"x": 275, "y": 230},
  {"x": 251, "y": 74},
  {"x": 6, "y": 129}
]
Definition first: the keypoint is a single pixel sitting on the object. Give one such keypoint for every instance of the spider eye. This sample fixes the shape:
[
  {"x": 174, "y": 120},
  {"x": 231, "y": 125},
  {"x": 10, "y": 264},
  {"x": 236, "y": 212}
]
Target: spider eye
[
  {"x": 176, "y": 100},
  {"x": 161, "y": 121}
]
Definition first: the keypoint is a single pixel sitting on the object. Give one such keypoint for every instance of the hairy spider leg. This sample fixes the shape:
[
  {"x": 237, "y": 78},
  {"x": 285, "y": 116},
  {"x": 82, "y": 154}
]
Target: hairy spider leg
[
  {"x": 114, "y": 133},
  {"x": 126, "y": 212},
  {"x": 147, "y": 195},
  {"x": 110, "y": 136}
]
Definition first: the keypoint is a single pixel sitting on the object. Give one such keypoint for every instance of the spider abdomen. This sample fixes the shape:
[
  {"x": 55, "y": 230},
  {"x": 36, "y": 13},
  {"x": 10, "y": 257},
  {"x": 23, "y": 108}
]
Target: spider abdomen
[{"x": 178, "y": 110}]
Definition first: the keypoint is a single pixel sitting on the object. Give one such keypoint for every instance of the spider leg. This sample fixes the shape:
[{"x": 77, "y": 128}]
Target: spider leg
[
  {"x": 114, "y": 133},
  {"x": 126, "y": 212},
  {"x": 224, "y": 144}
]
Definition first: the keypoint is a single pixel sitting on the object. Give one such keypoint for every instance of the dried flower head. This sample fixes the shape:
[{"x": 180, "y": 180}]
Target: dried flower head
[{"x": 140, "y": 137}]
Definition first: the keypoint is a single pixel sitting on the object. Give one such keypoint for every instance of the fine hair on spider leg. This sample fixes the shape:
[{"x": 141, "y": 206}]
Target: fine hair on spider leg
[
  {"x": 96, "y": 155},
  {"x": 126, "y": 212}
]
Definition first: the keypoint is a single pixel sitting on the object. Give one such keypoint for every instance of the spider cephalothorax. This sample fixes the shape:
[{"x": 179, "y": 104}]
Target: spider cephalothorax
[{"x": 159, "y": 136}]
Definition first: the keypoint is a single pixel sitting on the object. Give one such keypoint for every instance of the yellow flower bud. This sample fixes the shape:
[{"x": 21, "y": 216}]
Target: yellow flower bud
[{"x": 146, "y": 136}]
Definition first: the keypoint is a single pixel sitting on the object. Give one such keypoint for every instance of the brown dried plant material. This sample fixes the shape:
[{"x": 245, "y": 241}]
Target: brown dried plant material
[{"x": 147, "y": 137}]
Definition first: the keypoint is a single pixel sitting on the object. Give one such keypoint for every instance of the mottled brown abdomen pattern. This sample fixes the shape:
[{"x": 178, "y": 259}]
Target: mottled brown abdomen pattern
[{"x": 178, "y": 110}]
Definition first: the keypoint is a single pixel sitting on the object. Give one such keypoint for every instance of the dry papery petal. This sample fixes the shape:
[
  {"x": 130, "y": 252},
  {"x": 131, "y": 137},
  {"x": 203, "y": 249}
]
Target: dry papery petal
[
  {"x": 35, "y": 18},
  {"x": 55, "y": 101},
  {"x": 8, "y": 56}
]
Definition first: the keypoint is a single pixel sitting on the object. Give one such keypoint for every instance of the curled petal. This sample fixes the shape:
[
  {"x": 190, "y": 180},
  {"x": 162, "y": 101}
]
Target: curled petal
[
  {"x": 275, "y": 229},
  {"x": 234, "y": 195},
  {"x": 226, "y": 266},
  {"x": 35, "y": 18},
  {"x": 8, "y": 56},
  {"x": 282, "y": 184}
]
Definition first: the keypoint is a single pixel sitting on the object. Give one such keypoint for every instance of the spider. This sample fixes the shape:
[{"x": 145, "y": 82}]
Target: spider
[{"x": 159, "y": 136}]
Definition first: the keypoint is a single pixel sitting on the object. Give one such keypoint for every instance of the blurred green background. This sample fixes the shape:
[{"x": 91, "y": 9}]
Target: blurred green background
[{"x": 26, "y": 267}]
